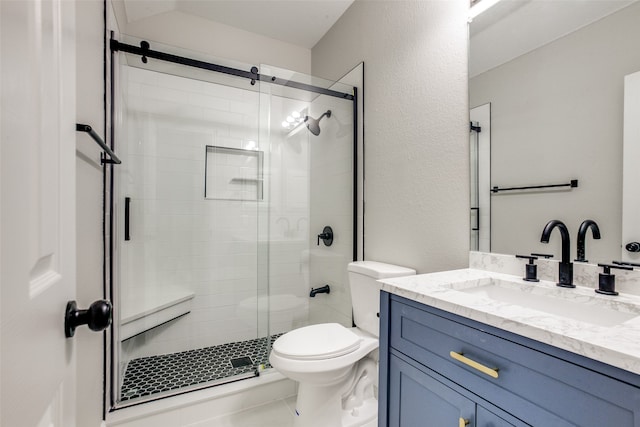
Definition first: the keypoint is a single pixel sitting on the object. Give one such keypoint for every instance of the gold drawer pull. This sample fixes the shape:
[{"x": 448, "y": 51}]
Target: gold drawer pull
[
  {"x": 463, "y": 422},
  {"x": 492, "y": 372}
]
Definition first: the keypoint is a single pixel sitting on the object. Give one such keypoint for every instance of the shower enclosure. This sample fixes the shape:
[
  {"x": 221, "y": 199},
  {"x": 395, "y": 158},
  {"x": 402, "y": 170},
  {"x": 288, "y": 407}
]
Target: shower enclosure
[{"x": 228, "y": 175}]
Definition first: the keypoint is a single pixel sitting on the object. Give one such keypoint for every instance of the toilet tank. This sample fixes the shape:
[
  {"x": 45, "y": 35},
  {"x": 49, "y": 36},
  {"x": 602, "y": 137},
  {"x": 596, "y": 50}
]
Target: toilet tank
[{"x": 365, "y": 291}]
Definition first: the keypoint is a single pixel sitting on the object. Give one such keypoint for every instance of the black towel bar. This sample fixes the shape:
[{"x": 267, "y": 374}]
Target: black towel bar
[
  {"x": 88, "y": 129},
  {"x": 572, "y": 184}
]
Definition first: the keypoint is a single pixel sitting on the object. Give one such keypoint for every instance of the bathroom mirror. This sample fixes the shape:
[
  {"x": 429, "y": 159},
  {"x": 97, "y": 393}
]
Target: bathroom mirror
[{"x": 551, "y": 76}]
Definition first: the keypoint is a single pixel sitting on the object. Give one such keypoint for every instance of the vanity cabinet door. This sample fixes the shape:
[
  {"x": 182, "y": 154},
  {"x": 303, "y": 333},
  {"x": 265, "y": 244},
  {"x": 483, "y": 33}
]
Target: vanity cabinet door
[{"x": 418, "y": 400}]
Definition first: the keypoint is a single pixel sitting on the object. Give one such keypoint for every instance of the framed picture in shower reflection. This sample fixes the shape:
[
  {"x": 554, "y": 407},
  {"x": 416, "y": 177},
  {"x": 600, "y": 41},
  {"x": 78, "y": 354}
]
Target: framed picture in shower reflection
[{"x": 233, "y": 174}]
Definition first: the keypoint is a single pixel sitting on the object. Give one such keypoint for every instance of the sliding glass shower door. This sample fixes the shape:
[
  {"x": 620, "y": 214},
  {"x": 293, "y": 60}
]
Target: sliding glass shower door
[{"x": 189, "y": 200}]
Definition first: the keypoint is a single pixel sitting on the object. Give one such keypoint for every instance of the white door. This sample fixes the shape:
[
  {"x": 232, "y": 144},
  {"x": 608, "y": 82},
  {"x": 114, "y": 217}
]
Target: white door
[
  {"x": 631, "y": 171},
  {"x": 37, "y": 212}
]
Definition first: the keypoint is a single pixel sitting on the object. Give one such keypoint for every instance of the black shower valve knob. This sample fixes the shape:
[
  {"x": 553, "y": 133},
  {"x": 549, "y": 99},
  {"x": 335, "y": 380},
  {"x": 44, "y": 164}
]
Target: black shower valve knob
[{"x": 326, "y": 236}]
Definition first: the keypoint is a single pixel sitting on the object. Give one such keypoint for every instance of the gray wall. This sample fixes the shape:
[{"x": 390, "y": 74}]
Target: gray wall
[
  {"x": 416, "y": 126},
  {"x": 556, "y": 115}
]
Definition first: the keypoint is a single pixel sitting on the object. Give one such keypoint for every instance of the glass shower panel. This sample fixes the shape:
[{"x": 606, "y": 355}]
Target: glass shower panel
[
  {"x": 189, "y": 200},
  {"x": 310, "y": 186}
]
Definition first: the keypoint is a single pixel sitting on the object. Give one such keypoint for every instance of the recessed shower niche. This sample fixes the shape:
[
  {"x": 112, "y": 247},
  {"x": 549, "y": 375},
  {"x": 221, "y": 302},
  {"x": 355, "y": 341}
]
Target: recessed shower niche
[{"x": 233, "y": 174}]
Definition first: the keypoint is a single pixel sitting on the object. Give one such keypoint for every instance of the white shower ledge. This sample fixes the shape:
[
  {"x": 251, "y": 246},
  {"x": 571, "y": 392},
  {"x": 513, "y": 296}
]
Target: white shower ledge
[{"x": 145, "y": 309}]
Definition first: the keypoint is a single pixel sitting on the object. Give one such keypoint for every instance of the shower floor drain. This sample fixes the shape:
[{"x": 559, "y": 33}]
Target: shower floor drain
[
  {"x": 147, "y": 376},
  {"x": 241, "y": 361}
]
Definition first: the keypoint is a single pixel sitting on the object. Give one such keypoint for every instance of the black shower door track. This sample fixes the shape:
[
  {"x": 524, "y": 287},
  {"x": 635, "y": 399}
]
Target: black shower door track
[{"x": 145, "y": 52}]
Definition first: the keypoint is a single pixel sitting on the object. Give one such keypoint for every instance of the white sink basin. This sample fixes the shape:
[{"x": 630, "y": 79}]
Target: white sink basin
[{"x": 580, "y": 304}]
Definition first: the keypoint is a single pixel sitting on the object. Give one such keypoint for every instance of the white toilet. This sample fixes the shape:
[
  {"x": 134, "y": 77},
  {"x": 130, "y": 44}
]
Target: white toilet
[{"x": 336, "y": 367}]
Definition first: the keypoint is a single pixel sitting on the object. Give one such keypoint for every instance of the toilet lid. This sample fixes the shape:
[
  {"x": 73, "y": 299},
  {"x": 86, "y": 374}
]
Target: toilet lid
[{"x": 314, "y": 342}]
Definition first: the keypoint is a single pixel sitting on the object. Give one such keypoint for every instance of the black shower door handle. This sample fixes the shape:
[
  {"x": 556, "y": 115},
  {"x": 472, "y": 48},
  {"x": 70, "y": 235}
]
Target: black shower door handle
[{"x": 127, "y": 212}]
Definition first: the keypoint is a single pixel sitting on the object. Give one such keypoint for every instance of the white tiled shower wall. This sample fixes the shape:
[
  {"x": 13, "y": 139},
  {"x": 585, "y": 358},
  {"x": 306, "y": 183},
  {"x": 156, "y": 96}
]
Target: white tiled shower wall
[
  {"x": 331, "y": 185},
  {"x": 211, "y": 247}
]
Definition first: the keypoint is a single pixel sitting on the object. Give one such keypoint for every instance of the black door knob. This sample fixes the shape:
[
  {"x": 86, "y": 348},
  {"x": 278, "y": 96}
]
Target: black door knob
[
  {"x": 633, "y": 247},
  {"x": 97, "y": 317}
]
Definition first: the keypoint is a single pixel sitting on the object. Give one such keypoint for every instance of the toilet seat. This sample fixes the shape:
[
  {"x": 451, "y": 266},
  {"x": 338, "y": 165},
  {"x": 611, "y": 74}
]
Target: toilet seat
[
  {"x": 317, "y": 342},
  {"x": 298, "y": 368}
]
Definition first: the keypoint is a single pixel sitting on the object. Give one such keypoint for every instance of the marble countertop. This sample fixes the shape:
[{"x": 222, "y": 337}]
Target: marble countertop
[{"x": 617, "y": 344}]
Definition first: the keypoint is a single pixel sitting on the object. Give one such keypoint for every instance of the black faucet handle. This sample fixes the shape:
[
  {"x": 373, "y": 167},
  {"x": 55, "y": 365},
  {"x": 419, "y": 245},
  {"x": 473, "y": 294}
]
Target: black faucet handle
[
  {"x": 607, "y": 267},
  {"x": 607, "y": 281},
  {"x": 545, "y": 256},
  {"x": 531, "y": 269},
  {"x": 630, "y": 264}
]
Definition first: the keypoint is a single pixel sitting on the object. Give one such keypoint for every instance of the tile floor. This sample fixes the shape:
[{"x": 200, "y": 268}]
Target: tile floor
[{"x": 171, "y": 372}]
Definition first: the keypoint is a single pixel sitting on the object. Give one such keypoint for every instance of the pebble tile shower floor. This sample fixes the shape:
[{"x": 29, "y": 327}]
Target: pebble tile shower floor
[{"x": 147, "y": 376}]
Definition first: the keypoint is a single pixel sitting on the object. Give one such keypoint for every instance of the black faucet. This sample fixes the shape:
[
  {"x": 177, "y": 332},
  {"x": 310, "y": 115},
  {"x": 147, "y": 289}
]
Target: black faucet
[
  {"x": 321, "y": 290},
  {"x": 582, "y": 235},
  {"x": 565, "y": 269}
]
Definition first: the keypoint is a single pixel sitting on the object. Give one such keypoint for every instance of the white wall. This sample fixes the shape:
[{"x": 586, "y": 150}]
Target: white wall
[
  {"x": 218, "y": 40},
  {"x": 416, "y": 126},
  {"x": 556, "y": 115}
]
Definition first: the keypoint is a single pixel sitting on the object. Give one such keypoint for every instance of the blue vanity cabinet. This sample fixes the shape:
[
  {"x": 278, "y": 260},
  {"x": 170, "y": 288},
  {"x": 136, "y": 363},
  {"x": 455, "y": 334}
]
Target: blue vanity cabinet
[{"x": 501, "y": 378}]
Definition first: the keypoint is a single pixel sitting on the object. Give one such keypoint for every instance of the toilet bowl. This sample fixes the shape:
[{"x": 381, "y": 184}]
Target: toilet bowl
[{"x": 335, "y": 366}]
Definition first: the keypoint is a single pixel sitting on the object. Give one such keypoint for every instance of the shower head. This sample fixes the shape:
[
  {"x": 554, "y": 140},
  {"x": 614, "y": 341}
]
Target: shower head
[{"x": 314, "y": 124}]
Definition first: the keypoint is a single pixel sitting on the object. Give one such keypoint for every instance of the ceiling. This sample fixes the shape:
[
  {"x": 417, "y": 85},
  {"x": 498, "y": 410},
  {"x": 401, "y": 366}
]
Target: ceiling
[
  {"x": 299, "y": 22},
  {"x": 514, "y": 27}
]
